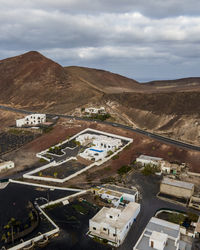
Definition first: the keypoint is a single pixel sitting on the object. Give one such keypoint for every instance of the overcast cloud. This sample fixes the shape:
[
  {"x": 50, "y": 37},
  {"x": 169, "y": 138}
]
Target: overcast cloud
[{"x": 141, "y": 39}]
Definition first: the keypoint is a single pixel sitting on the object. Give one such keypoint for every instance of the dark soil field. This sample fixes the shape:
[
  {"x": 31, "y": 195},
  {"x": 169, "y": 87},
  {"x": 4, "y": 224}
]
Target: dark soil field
[
  {"x": 14, "y": 200},
  {"x": 11, "y": 141},
  {"x": 62, "y": 171},
  {"x": 73, "y": 220}
]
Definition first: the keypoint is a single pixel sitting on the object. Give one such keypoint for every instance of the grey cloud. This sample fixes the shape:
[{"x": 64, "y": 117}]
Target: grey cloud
[
  {"x": 153, "y": 8},
  {"x": 131, "y": 37}
]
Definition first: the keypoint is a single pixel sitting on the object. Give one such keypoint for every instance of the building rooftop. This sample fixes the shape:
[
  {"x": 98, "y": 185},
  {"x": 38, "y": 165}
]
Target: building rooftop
[
  {"x": 182, "y": 184},
  {"x": 151, "y": 158},
  {"x": 124, "y": 215},
  {"x": 159, "y": 225},
  {"x": 158, "y": 236},
  {"x": 144, "y": 244},
  {"x": 121, "y": 189},
  {"x": 159, "y": 229},
  {"x": 111, "y": 192}
]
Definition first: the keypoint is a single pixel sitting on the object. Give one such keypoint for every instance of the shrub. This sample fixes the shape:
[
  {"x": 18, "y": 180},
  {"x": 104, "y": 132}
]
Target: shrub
[
  {"x": 115, "y": 157},
  {"x": 107, "y": 168},
  {"x": 109, "y": 153},
  {"x": 176, "y": 218},
  {"x": 80, "y": 209},
  {"x": 109, "y": 179},
  {"x": 124, "y": 169},
  {"x": 47, "y": 130},
  {"x": 42, "y": 160},
  {"x": 150, "y": 169},
  {"x": 192, "y": 217}
]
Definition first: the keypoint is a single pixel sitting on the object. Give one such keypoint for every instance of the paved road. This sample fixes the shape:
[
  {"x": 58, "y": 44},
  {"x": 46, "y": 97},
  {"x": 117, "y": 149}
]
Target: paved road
[{"x": 137, "y": 130}]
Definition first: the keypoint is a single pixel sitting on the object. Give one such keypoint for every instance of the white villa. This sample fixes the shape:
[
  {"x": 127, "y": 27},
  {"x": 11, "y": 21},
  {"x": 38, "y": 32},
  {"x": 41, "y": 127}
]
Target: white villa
[
  {"x": 94, "y": 111},
  {"x": 101, "y": 145},
  {"x": 161, "y": 235},
  {"x": 31, "y": 120},
  {"x": 113, "y": 224},
  {"x": 145, "y": 159},
  {"x": 6, "y": 165}
]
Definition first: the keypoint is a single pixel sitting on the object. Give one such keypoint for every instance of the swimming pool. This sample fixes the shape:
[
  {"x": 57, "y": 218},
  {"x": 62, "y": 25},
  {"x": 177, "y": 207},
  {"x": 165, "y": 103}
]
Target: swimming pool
[{"x": 96, "y": 150}]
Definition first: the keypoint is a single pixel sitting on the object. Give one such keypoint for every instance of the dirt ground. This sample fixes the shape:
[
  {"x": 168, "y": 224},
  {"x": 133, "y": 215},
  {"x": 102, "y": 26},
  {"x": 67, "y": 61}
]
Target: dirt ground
[
  {"x": 141, "y": 145},
  {"x": 7, "y": 118}
]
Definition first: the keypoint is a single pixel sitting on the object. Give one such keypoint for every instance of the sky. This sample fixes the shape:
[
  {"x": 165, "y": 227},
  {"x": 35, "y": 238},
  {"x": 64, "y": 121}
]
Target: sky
[{"x": 141, "y": 39}]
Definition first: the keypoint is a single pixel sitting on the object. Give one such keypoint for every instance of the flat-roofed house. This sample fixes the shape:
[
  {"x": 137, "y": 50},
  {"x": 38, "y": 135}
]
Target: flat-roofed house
[
  {"x": 113, "y": 224},
  {"x": 176, "y": 188},
  {"x": 145, "y": 159},
  {"x": 161, "y": 235}
]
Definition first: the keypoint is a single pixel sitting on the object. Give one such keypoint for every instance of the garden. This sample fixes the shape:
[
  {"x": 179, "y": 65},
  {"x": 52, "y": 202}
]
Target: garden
[
  {"x": 183, "y": 219},
  {"x": 61, "y": 171}
]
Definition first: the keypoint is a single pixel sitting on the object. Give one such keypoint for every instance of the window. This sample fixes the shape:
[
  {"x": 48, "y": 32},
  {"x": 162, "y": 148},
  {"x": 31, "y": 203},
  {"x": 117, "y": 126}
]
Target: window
[
  {"x": 94, "y": 228},
  {"x": 104, "y": 229},
  {"x": 114, "y": 235},
  {"x": 111, "y": 216}
]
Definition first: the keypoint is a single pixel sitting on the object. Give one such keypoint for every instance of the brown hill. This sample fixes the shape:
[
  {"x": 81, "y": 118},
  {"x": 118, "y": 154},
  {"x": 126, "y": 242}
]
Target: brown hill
[
  {"x": 104, "y": 81},
  {"x": 34, "y": 82},
  {"x": 178, "y": 85}
]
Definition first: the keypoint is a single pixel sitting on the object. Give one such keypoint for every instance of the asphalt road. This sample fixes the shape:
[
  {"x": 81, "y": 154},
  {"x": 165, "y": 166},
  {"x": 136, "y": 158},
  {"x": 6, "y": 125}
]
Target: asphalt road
[{"x": 137, "y": 130}]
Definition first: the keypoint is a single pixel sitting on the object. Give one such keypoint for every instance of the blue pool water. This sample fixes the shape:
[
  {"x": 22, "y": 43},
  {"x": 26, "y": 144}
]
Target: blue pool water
[{"x": 96, "y": 150}]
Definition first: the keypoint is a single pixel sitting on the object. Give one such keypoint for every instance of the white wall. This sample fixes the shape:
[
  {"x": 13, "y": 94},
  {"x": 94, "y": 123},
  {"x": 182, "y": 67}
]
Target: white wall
[{"x": 130, "y": 197}]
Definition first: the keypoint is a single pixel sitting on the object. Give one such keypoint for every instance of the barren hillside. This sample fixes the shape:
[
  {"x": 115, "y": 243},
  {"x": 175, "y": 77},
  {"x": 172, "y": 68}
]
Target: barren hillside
[{"x": 34, "y": 82}]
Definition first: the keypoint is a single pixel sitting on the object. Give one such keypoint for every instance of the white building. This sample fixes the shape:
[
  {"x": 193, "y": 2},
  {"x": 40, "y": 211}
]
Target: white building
[
  {"x": 31, "y": 120},
  {"x": 6, "y": 165},
  {"x": 145, "y": 159},
  {"x": 113, "y": 224},
  {"x": 101, "y": 145},
  {"x": 114, "y": 196},
  {"x": 94, "y": 111},
  {"x": 159, "y": 234},
  {"x": 167, "y": 167}
]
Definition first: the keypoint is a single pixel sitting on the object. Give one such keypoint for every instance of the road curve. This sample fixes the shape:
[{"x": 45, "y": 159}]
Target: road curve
[{"x": 137, "y": 130}]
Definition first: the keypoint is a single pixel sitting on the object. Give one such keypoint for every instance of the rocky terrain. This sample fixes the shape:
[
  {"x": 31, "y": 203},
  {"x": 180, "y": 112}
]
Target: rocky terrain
[{"x": 34, "y": 82}]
